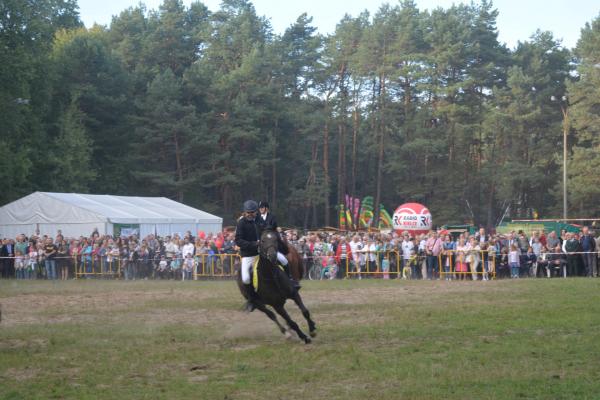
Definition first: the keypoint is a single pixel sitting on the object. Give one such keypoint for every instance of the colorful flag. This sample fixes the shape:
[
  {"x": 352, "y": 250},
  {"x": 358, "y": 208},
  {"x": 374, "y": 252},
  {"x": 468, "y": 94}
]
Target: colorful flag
[
  {"x": 366, "y": 212},
  {"x": 385, "y": 221},
  {"x": 356, "y": 208},
  {"x": 349, "y": 223},
  {"x": 342, "y": 217}
]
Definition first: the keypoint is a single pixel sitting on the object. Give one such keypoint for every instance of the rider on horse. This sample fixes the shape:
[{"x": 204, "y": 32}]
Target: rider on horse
[
  {"x": 269, "y": 222},
  {"x": 247, "y": 236}
]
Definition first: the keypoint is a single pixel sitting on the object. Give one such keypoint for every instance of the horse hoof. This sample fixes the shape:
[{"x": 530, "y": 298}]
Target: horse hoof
[
  {"x": 313, "y": 334},
  {"x": 307, "y": 340}
]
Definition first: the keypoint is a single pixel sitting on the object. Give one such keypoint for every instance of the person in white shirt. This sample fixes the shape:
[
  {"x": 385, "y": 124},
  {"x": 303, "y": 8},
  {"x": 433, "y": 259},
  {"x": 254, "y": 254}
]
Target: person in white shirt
[
  {"x": 187, "y": 248},
  {"x": 407, "y": 247},
  {"x": 356, "y": 248},
  {"x": 371, "y": 249}
]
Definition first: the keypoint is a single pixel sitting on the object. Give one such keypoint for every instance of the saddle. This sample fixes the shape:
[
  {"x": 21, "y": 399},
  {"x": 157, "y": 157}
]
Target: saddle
[{"x": 255, "y": 273}]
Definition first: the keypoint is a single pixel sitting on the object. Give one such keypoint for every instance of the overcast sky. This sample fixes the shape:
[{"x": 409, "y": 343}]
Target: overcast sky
[{"x": 518, "y": 19}]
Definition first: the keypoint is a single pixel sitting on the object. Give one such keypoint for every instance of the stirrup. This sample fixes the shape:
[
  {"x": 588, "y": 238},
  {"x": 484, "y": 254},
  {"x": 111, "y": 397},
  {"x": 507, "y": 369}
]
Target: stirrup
[{"x": 249, "y": 306}]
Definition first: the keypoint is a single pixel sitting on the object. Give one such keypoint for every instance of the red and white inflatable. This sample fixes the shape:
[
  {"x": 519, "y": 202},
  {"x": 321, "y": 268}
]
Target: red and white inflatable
[{"x": 412, "y": 217}]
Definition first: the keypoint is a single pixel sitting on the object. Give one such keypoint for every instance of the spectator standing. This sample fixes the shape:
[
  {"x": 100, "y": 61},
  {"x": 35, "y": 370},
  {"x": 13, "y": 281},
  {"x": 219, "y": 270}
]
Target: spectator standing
[
  {"x": 20, "y": 264},
  {"x": 514, "y": 260},
  {"x": 62, "y": 259},
  {"x": 50, "y": 251},
  {"x": 462, "y": 249},
  {"x": 228, "y": 254},
  {"x": 32, "y": 261},
  {"x": 407, "y": 246},
  {"x": 588, "y": 247},
  {"x": 371, "y": 256},
  {"x": 597, "y": 271},
  {"x": 570, "y": 247},
  {"x": 343, "y": 255},
  {"x": 21, "y": 244},
  {"x": 356, "y": 248},
  {"x": 474, "y": 257},
  {"x": 433, "y": 249},
  {"x": 7, "y": 261}
]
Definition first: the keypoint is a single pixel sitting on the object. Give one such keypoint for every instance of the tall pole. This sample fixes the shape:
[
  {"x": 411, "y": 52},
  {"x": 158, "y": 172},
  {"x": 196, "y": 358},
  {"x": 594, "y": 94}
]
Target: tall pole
[{"x": 565, "y": 131}]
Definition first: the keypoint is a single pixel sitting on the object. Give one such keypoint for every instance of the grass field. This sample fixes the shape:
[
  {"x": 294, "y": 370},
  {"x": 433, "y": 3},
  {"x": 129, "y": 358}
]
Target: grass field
[{"x": 376, "y": 339}]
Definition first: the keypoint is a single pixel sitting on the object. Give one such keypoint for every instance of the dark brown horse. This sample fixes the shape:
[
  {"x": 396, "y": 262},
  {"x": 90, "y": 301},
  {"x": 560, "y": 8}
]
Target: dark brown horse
[{"x": 274, "y": 287}]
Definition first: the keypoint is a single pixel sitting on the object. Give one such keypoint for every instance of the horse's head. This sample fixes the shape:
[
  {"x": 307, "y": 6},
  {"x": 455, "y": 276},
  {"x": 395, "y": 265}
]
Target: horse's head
[{"x": 268, "y": 246}]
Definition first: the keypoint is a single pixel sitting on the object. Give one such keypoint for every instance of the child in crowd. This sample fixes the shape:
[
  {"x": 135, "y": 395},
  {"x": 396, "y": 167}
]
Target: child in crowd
[
  {"x": 461, "y": 259},
  {"x": 162, "y": 268},
  {"x": 32, "y": 261},
  {"x": 188, "y": 267},
  {"x": 412, "y": 265},
  {"x": 485, "y": 261},
  {"x": 491, "y": 261},
  {"x": 385, "y": 266},
  {"x": 329, "y": 269},
  {"x": 20, "y": 264}
]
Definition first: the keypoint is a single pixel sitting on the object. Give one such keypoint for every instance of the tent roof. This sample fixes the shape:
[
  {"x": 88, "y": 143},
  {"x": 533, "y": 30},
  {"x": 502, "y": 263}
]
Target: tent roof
[{"x": 50, "y": 207}]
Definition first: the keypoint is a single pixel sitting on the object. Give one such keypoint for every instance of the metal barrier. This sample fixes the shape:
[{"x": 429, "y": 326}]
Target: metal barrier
[
  {"x": 451, "y": 264},
  {"x": 91, "y": 266},
  {"x": 362, "y": 263},
  {"x": 216, "y": 265},
  {"x": 458, "y": 264}
]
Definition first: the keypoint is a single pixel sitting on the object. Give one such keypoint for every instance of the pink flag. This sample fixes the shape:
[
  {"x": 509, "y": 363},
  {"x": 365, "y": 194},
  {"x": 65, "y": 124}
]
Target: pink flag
[{"x": 356, "y": 208}]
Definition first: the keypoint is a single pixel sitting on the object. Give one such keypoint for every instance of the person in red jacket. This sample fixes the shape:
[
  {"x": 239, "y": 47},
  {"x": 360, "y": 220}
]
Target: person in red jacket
[{"x": 343, "y": 255}]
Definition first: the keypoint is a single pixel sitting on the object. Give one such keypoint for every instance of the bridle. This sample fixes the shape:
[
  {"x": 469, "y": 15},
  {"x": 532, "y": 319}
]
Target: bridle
[{"x": 262, "y": 250}]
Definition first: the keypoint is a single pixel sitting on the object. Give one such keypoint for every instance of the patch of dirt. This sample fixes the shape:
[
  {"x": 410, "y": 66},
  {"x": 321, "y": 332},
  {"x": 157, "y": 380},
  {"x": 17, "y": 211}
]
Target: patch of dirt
[
  {"x": 127, "y": 304},
  {"x": 20, "y": 374},
  {"x": 84, "y": 307},
  {"x": 19, "y": 343},
  {"x": 198, "y": 378}
]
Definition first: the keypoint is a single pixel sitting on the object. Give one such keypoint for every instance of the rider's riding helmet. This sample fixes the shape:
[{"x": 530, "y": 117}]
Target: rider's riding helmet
[
  {"x": 250, "y": 206},
  {"x": 263, "y": 204}
]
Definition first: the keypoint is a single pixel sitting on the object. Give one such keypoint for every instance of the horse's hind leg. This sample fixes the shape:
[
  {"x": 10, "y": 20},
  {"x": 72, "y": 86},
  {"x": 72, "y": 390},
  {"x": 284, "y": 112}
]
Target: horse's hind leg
[
  {"x": 312, "y": 328},
  {"x": 271, "y": 315},
  {"x": 293, "y": 325}
]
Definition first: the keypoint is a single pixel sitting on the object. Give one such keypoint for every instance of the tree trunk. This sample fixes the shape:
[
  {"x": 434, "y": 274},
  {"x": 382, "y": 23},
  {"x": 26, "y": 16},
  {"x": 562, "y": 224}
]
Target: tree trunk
[
  {"x": 179, "y": 171},
  {"x": 341, "y": 164},
  {"x": 274, "y": 168},
  {"x": 326, "y": 164},
  {"x": 355, "y": 128},
  {"x": 380, "y": 154}
]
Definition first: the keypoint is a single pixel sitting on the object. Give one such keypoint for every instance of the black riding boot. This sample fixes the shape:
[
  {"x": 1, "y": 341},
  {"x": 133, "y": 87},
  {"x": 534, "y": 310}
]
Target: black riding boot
[
  {"x": 295, "y": 283},
  {"x": 252, "y": 297}
]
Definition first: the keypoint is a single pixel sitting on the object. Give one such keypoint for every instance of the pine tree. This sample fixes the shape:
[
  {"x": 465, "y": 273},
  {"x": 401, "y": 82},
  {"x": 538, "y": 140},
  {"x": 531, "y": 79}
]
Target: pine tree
[{"x": 584, "y": 112}]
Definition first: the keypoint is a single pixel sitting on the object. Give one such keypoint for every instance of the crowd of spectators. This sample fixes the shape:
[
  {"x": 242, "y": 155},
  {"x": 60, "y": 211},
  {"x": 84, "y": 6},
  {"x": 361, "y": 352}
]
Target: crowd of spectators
[
  {"x": 171, "y": 257},
  {"x": 436, "y": 255},
  {"x": 439, "y": 255}
]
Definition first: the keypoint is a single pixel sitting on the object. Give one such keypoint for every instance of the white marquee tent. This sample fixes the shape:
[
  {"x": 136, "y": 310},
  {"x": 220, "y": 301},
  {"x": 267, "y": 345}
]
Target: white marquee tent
[{"x": 79, "y": 214}]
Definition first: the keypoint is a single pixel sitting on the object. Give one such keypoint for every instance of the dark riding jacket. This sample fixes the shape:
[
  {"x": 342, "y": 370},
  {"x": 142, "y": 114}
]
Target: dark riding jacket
[
  {"x": 270, "y": 222},
  {"x": 247, "y": 234}
]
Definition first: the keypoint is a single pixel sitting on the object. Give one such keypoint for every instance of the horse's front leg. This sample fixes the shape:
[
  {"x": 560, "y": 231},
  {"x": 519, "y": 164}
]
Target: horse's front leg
[
  {"x": 293, "y": 325},
  {"x": 312, "y": 328},
  {"x": 261, "y": 306}
]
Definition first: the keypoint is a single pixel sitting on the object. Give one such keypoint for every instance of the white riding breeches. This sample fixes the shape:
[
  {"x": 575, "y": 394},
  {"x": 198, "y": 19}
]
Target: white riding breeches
[
  {"x": 281, "y": 258},
  {"x": 248, "y": 262}
]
